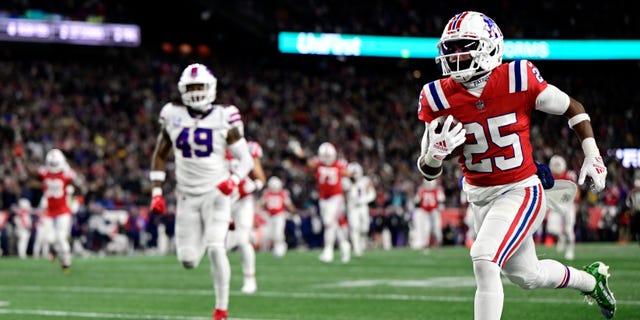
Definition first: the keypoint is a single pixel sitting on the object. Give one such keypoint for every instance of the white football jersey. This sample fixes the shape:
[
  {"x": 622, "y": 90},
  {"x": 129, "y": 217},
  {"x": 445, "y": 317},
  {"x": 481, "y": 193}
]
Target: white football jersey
[
  {"x": 199, "y": 145},
  {"x": 359, "y": 194}
]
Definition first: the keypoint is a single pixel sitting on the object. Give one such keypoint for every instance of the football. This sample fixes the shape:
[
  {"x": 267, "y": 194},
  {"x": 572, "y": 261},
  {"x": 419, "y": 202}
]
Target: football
[{"x": 457, "y": 151}]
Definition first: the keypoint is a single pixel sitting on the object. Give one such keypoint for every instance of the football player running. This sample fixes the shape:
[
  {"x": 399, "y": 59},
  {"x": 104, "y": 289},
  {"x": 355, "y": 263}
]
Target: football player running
[
  {"x": 360, "y": 193},
  {"x": 276, "y": 200},
  {"x": 55, "y": 175},
  {"x": 242, "y": 213},
  {"x": 493, "y": 103},
  {"x": 427, "y": 219},
  {"x": 198, "y": 133},
  {"x": 329, "y": 172}
]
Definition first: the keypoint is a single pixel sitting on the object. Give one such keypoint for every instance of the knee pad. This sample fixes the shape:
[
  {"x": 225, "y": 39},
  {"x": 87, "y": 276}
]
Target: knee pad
[{"x": 483, "y": 249}]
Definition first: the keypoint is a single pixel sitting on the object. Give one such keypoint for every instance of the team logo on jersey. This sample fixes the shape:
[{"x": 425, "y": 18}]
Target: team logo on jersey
[
  {"x": 176, "y": 121},
  {"x": 480, "y": 105}
]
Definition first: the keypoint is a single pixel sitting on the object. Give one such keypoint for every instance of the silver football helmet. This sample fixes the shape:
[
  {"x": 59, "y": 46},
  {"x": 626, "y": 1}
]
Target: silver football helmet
[
  {"x": 55, "y": 161},
  {"x": 274, "y": 184},
  {"x": 327, "y": 153},
  {"x": 196, "y": 98},
  {"x": 355, "y": 169},
  {"x": 557, "y": 165},
  {"x": 471, "y": 44}
]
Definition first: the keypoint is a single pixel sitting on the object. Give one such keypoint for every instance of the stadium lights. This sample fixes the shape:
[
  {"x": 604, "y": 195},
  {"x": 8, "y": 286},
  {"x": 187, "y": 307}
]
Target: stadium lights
[
  {"x": 413, "y": 47},
  {"x": 71, "y": 32}
]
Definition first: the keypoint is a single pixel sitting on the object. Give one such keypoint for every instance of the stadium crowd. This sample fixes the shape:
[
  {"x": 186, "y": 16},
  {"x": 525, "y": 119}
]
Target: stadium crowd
[{"x": 99, "y": 106}]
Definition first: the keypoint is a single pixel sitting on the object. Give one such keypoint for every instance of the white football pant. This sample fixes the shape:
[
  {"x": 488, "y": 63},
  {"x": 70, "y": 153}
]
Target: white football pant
[
  {"x": 242, "y": 212},
  {"x": 202, "y": 223}
]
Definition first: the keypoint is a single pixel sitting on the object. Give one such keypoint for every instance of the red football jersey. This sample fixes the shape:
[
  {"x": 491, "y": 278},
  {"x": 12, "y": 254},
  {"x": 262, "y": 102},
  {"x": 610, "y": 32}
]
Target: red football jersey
[
  {"x": 329, "y": 178},
  {"x": 498, "y": 147},
  {"x": 430, "y": 198},
  {"x": 54, "y": 189},
  {"x": 275, "y": 202}
]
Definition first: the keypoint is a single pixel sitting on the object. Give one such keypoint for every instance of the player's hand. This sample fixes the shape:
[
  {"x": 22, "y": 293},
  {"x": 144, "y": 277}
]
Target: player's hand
[
  {"x": 158, "y": 205},
  {"x": 594, "y": 167},
  {"x": 18, "y": 150},
  {"x": 228, "y": 185},
  {"x": 546, "y": 178},
  {"x": 247, "y": 186},
  {"x": 443, "y": 143}
]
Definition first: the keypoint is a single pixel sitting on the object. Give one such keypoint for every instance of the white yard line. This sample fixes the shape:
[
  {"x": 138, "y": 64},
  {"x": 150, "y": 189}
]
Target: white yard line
[
  {"x": 299, "y": 295},
  {"x": 96, "y": 315}
]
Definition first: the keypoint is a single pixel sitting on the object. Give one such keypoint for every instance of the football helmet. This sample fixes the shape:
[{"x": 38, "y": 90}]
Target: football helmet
[
  {"x": 327, "y": 153},
  {"x": 198, "y": 99},
  {"x": 355, "y": 169},
  {"x": 471, "y": 44},
  {"x": 55, "y": 161},
  {"x": 274, "y": 184},
  {"x": 557, "y": 165}
]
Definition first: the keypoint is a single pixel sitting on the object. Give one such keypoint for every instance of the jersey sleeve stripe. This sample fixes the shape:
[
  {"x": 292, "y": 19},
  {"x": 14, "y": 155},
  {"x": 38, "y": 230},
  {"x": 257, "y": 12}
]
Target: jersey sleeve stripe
[
  {"x": 436, "y": 97},
  {"x": 517, "y": 76}
]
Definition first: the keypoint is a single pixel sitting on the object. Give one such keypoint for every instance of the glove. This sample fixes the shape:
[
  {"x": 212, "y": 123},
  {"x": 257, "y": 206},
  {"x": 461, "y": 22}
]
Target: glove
[
  {"x": 247, "y": 186},
  {"x": 228, "y": 185},
  {"x": 594, "y": 167},
  {"x": 158, "y": 205},
  {"x": 545, "y": 176},
  {"x": 443, "y": 143},
  {"x": 18, "y": 150}
]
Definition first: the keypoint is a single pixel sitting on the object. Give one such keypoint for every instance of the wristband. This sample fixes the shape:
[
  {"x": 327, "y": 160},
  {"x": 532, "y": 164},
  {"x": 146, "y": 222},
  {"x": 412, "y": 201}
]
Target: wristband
[
  {"x": 156, "y": 191},
  {"x": 590, "y": 148},
  {"x": 157, "y": 175},
  {"x": 578, "y": 118},
  {"x": 234, "y": 178}
]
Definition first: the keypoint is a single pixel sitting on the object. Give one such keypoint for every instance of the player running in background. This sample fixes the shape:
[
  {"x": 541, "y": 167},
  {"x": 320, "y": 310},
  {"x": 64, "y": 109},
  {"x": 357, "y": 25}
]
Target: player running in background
[
  {"x": 242, "y": 213},
  {"x": 360, "y": 193},
  {"x": 561, "y": 217},
  {"x": 329, "y": 172},
  {"x": 427, "y": 219},
  {"x": 198, "y": 133},
  {"x": 55, "y": 175},
  {"x": 276, "y": 201},
  {"x": 23, "y": 223},
  {"x": 493, "y": 103}
]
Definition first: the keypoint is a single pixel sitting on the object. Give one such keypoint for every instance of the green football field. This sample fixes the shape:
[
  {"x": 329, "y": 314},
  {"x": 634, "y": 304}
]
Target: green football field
[{"x": 397, "y": 284}]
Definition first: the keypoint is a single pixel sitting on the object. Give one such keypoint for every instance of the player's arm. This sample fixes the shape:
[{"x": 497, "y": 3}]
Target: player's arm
[
  {"x": 158, "y": 171},
  {"x": 296, "y": 149},
  {"x": 554, "y": 101},
  {"x": 257, "y": 174},
  {"x": 19, "y": 152},
  {"x": 240, "y": 150},
  {"x": 289, "y": 204}
]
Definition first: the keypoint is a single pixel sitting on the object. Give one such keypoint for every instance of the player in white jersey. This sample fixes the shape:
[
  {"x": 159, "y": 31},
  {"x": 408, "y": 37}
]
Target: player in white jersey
[
  {"x": 360, "y": 193},
  {"x": 242, "y": 213},
  {"x": 23, "y": 223},
  {"x": 198, "y": 133}
]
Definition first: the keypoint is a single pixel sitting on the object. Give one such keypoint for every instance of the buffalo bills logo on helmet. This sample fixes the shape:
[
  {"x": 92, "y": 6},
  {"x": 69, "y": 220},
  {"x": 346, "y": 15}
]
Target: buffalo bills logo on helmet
[{"x": 194, "y": 72}]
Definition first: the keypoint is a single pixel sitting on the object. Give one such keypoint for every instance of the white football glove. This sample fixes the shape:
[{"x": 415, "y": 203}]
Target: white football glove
[
  {"x": 443, "y": 143},
  {"x": 594, "y": 167}
]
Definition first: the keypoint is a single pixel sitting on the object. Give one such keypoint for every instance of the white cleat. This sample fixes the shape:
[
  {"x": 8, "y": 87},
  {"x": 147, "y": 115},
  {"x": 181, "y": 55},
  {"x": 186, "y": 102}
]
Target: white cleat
[
  {"x": 249, "y": 287},
  {"x": 326, "y": 257}
]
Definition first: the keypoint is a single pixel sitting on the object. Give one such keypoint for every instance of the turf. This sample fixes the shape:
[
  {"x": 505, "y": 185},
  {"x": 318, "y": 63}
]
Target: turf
[{"x": 396, "y": 284}]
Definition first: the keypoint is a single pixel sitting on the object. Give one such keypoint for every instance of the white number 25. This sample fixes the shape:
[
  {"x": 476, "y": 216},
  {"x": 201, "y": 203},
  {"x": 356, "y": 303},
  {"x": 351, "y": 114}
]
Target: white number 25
[{"x": 481, "y": 145}]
